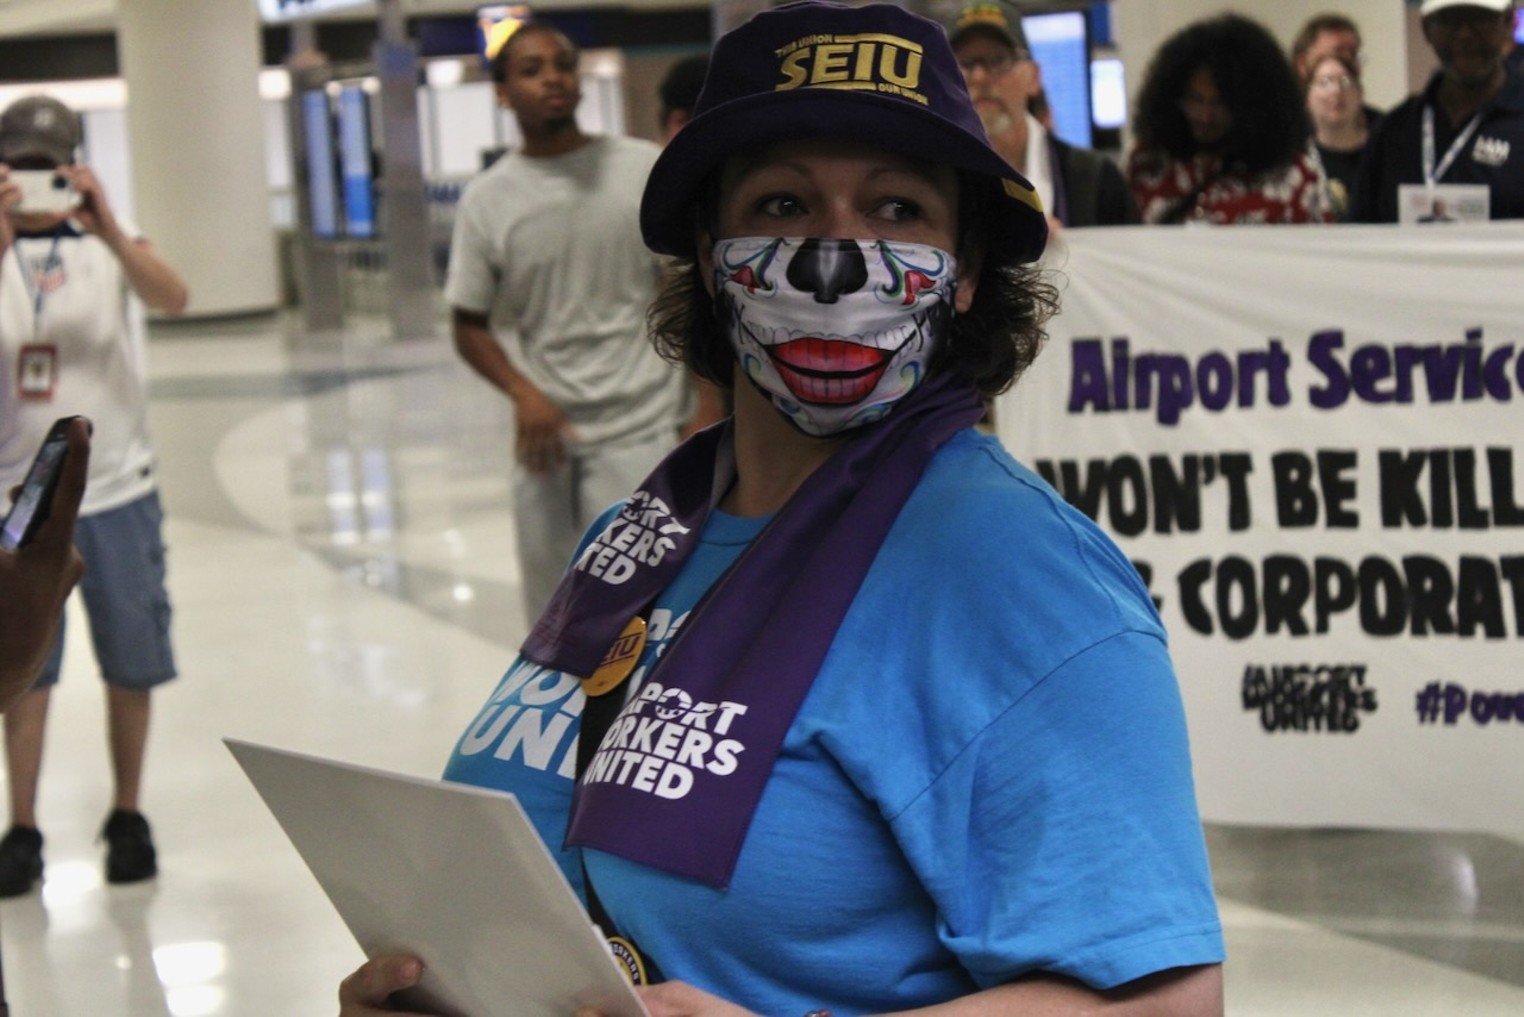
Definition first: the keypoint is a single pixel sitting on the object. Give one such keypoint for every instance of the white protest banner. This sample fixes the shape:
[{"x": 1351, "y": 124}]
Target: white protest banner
[{"x": 1308, "y": 440}]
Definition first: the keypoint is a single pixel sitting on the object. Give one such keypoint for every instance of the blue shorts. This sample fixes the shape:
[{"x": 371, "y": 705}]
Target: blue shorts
[{"x": 124, "y": 596}]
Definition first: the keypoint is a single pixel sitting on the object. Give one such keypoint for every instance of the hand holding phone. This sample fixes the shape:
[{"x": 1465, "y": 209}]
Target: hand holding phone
[
  {"x": 44, "y": 191},
  {"x": 37, "y": 576},
  {"x": 35, "y": 498}
]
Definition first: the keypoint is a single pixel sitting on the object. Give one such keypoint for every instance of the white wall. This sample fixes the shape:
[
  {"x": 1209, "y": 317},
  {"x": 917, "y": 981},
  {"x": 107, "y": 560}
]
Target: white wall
[{"x": 1142, "y": 25}]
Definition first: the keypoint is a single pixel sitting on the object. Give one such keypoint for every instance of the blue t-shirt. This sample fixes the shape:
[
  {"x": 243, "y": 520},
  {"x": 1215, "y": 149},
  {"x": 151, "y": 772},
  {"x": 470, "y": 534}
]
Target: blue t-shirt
[
  {"x": 525, "y": 739},
  {"x": 989, "y": 776}
]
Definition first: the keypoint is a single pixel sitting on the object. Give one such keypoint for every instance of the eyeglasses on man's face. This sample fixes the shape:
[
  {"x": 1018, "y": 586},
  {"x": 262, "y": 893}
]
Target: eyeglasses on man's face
[
  {"x": 993, "y": 64},
  {"x": 1334, "y": 83}
]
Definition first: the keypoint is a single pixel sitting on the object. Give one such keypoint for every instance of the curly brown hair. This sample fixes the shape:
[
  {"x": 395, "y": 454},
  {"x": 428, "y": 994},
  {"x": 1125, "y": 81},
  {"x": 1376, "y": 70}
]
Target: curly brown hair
[
  {"x": 1269, "y": 118},
  {"x": 991, "y": 345}
]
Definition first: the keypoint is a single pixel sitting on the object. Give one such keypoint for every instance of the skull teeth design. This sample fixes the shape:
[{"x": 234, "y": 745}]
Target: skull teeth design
[
  {"x": 829, "y": 370},
  {"x": 835, "y": 332}
]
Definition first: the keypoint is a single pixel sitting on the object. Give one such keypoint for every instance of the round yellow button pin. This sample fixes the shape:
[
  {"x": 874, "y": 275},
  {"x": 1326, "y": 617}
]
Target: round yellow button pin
[{"x": 619, "y": 661}]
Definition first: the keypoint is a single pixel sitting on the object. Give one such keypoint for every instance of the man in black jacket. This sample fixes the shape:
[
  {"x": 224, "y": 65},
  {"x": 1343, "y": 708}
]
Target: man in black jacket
[
  {"x": 1460, "y": 140},
  {"x": 1079, "y": 187}
]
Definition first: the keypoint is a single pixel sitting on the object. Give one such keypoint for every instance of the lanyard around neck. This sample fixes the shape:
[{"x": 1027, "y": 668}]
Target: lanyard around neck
[
  {"x": 1434, "y": 174},
  {"x": 35, "y": 287}
]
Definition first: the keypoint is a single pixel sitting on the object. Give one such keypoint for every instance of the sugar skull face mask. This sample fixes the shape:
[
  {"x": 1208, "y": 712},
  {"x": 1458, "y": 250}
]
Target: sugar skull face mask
[{"x": 834, "y": 332}]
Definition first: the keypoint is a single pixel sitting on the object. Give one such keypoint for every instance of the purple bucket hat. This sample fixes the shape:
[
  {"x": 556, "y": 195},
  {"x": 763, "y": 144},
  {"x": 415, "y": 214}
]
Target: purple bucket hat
[{"x": 876, "y": 74}]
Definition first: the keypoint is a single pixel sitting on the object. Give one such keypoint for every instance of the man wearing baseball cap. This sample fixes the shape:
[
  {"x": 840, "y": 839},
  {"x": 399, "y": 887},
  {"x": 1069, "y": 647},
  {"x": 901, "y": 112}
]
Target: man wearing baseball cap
[
  {"x": 38, "y": 128},
  {"x": 1078, "y": 187},
  {"x": 70, "y": 343},
  {"x": 1461, "y": 140}
]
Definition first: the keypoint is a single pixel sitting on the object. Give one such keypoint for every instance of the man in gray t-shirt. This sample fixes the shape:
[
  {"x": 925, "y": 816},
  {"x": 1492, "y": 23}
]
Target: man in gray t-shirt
[{"x": 549, "y": 282}]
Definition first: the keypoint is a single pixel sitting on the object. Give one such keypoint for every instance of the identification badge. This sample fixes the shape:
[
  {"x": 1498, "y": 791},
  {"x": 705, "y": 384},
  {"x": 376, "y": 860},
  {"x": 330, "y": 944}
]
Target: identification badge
[
  {"x": 37, "y": 372},
  {"x": 1420, "y": 203},
  {"x": 619, "y": 661}
]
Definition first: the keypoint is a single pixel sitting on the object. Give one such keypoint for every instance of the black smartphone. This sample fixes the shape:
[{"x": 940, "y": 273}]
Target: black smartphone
[{"x": 36, "y": 497}]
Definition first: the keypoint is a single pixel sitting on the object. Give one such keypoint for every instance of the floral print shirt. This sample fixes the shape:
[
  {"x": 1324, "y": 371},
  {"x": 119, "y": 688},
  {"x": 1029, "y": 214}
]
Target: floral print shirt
[{"x": 1295, "y": 193}]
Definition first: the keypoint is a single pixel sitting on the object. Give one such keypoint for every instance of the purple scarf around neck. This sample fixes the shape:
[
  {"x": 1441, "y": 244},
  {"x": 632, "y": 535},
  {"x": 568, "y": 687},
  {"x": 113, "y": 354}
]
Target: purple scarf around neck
[{"x": 679, "y": 773}]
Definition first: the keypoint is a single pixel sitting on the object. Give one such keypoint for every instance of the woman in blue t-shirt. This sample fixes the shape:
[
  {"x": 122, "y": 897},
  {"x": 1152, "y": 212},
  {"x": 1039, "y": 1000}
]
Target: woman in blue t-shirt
[{"x": 871, "y": 720}]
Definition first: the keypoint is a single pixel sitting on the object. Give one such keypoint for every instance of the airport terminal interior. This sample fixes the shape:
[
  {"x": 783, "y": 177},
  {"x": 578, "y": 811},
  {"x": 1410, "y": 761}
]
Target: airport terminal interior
[
  {"x": 342, "y": 561},
  {"x": 342, "y": 569}
]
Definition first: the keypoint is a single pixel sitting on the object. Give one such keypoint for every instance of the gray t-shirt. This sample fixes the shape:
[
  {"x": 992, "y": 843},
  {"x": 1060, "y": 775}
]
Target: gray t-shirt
[{"x": 550, "y": 250}]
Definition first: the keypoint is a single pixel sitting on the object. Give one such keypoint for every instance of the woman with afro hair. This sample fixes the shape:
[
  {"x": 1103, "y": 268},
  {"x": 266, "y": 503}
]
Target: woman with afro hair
[{"x": 1222, "y": 132}]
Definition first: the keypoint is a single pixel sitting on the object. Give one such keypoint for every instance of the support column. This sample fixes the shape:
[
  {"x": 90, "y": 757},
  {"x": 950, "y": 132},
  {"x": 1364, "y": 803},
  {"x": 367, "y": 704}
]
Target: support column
[
  {"x": 413, "y": 304},
  {"x": 197, "y": 144},
  {"x": 319, "y": 264}
]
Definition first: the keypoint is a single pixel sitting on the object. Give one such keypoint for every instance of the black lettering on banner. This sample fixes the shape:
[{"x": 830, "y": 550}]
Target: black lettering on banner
[
  {"x": 1308, "y": 698},
  {"x": 1298, "y": 504},
  {"x": 1146, "y": 573},
  {"x": 1444, "y": 488},
  {"x": 1381, "y": 598},
  {"x": 1192, "y": 580},
  {"x": 1288, "y": 587},
  {"x": 1162, "y": 497},
  {"x": 1127, "y": 497},
  {"x": 1417, "y": 595},
  {"x": 1237, "y": 600}
]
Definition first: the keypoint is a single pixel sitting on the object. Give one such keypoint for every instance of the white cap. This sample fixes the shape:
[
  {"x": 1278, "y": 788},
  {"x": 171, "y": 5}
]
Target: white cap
[{"x": 1433, "y": 6}]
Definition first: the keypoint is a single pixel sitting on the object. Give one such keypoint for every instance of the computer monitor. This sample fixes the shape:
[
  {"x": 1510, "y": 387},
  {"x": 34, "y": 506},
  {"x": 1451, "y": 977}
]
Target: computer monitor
[
  {"x": 322, "y": 182},
  {"x": 355, "y": 163},
  {"x": 1060, "y": 44},
  {"x": 1108, "y": 93},
  {"x": 274, "y": 12}
]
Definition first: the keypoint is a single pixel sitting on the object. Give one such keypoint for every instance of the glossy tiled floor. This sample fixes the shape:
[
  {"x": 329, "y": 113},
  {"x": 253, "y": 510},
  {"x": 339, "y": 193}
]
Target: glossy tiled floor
[{"x": 344, "y": 583}]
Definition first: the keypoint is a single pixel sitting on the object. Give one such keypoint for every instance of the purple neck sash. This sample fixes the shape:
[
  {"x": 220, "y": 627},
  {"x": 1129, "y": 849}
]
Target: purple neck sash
[{"x": 680, "y": 771}]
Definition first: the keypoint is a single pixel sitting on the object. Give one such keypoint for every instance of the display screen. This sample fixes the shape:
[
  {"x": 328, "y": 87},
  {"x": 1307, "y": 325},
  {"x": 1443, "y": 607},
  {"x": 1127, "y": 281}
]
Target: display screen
[
  {"x": 1108, "y": 93},
  {"x": 32, "y": 492},
  {"x": 322, "y": 182},
  {"x": 355, "y": 163},
  {"x": 1061, "y": 48},
  {"x": 278, "y": 11}
]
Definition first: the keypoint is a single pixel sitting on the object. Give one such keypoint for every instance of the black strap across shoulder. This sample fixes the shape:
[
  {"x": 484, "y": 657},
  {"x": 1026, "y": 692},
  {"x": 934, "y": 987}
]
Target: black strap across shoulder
[{"x": 598, "y": 715}]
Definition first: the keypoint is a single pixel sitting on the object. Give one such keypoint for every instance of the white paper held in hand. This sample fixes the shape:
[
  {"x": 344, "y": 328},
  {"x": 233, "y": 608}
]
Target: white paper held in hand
[{"x": 451, "y": 873}]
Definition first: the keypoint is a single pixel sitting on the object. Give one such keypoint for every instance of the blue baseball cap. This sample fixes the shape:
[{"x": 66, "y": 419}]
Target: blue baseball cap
[{"x": 876, "y": 74}]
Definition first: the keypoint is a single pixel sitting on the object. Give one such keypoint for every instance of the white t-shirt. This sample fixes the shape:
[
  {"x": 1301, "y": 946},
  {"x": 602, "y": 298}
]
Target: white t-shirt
[
  {"x": 550, "y": 250},
  {"x": 1039, "y": 170},
  {"x": 83, "y": 354}
]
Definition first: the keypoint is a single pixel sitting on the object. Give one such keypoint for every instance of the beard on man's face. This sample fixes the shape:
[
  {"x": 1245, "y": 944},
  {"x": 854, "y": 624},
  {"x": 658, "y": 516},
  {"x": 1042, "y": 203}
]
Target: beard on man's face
[{"x": 995, "y": 117}]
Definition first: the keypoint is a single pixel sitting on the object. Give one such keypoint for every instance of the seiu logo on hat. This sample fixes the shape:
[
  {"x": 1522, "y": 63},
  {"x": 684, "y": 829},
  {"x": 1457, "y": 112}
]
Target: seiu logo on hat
[
  {"x": 868, "y": 61},
  {"x": 876, "y": 74}
]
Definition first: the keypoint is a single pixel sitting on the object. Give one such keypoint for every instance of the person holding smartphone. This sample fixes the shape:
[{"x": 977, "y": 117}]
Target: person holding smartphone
[{"x": 71, "y": 275}]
